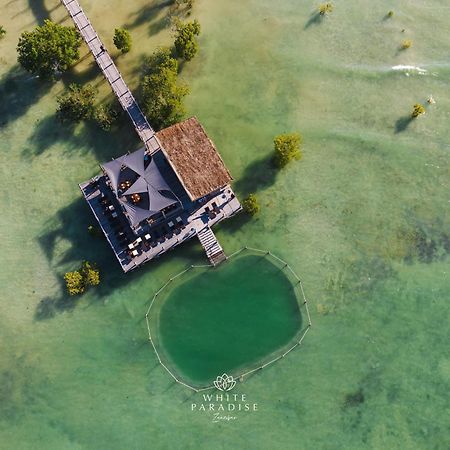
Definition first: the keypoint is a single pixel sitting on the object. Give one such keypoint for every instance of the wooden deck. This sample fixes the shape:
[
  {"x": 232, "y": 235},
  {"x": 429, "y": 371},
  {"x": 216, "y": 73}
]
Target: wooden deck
[
  {"x": 112, "y": 74},
  {"x": 196, "y": 224}
]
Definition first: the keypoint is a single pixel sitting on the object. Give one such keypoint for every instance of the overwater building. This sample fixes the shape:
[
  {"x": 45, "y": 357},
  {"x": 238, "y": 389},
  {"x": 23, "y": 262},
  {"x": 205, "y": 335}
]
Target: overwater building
[
  {"x": 149, "y": 202},
  {"x": 172, "y": 189}
]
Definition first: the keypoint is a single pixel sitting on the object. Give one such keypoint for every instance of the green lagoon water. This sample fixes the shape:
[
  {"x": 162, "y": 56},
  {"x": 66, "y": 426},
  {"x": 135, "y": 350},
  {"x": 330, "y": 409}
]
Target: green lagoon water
[
  {"x": 363, "y": 218},
  {"x": 229, "y": 319}
]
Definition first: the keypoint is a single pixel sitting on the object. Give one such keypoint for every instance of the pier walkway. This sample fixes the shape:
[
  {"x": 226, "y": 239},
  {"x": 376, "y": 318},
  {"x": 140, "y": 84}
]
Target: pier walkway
[
  {"x": 112, "y": 74},
  {"x": 225, "y": 204}
]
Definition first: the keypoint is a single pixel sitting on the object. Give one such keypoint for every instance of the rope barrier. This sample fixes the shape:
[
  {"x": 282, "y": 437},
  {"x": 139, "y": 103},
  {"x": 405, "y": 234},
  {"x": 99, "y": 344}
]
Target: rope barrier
[
  {"x": 236, "y": 252},
  {"x": 241, "y": 376},
  {"x": 295, "y": 275}
]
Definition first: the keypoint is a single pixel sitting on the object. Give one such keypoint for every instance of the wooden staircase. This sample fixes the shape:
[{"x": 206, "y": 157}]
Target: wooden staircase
[{"x": 213, "y": 250}]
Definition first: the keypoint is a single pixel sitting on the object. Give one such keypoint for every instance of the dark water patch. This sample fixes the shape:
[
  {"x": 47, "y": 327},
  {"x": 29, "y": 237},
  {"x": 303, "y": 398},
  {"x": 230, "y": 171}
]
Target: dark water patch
[
  {"x": 291, "y": 410},
  {"x": 354, "y": 409},
  {"x": 431, "y": 248},
  {"x": 354, "y": 399},
  {"x": 427, "y": 242},
  {"x": 20, "y": 383},
  {"x": 355, "y": 280},
  {"x": 228, "y": 318},
  {"x": 426, "y": 247},
  {"x": 392, "y": 393}
]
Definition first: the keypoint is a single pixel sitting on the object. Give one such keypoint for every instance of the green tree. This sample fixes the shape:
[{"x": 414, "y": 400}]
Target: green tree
[
  {"x": 186, "y": 45},
  {"x": 122, "y": 40},
  {"x": 325, "y": 8},
  {"x": 90, "y": 273},
  {"x": 418, "y": 110},
  {"x": 105, "y": 116},
  {"x": 77, "y": 104},
  {"x": 49, "y": 49},
  {"x": 74, "y": 283},
  {"x": 77, "y": 281},
  {"x": 250, "y": 205},
  {"x": 2, "y": 31},
  {"x": 181, "y": 7},
  {"x": 407, "y": 43},
  {"x": 158, "y": 60},
  {"x": 161, "y": 93},
  {"x": 287, "y": 148}
]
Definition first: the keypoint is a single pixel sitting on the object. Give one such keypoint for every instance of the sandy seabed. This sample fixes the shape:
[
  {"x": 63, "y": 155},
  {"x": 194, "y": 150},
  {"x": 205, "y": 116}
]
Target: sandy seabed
[{"x": 363, "y": 217}]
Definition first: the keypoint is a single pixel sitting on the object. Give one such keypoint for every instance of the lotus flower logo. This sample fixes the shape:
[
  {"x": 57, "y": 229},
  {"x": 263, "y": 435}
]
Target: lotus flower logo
[{"x": 224, "y": 382}]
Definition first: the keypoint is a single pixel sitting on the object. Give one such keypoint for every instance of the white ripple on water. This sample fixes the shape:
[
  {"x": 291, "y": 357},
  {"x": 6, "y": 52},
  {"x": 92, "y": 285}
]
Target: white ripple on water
[{"x": 408, "y": 69}]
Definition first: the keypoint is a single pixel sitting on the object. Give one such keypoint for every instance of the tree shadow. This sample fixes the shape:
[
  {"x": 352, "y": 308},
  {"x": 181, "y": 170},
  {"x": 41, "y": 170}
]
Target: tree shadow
[
  {"x": 258, "y": 175},
  {"x": 19, "y": 91},
  {"x": 149, "y": 14},
  {"x": 39, "y": 10},
  {"x": 181, "y": 64},
  {"x": 48, "y": 307},
  {"x": 85, "y": 76},
  {"x": 315, "y": 19},
  {"x": 403, "y": 123},
  {"x": 106, "y": 145},
  {"x": 158, "y": 25},
  {"x": 235, "y": 223},
  {"x": 70, "y": 224},
  {"x": 49, "y": 131}
]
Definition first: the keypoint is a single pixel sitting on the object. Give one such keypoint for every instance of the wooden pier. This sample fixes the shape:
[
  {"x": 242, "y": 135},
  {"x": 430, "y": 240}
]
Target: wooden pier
[
  {"x": 224, "y": 201},
  {"x": 213, "y": 249},
  {"x": 112, "y": 74}
]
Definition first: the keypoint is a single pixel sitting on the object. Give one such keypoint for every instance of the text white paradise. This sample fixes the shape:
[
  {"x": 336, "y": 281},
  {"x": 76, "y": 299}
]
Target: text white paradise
[{"x": 228, "y": 402}]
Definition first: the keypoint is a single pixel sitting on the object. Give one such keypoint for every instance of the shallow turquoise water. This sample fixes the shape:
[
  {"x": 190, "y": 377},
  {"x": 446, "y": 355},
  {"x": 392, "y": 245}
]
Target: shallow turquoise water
[
  {"x": 363, "y": 218},
  {"x": 229, "y": 319}
]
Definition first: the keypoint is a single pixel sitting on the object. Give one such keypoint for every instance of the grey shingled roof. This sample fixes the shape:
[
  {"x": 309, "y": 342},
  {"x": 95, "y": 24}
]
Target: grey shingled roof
[{"x": 148, "y": 184}]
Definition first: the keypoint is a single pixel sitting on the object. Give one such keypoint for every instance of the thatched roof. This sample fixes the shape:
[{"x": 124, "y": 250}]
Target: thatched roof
[{"x": 194, "y": 158}]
